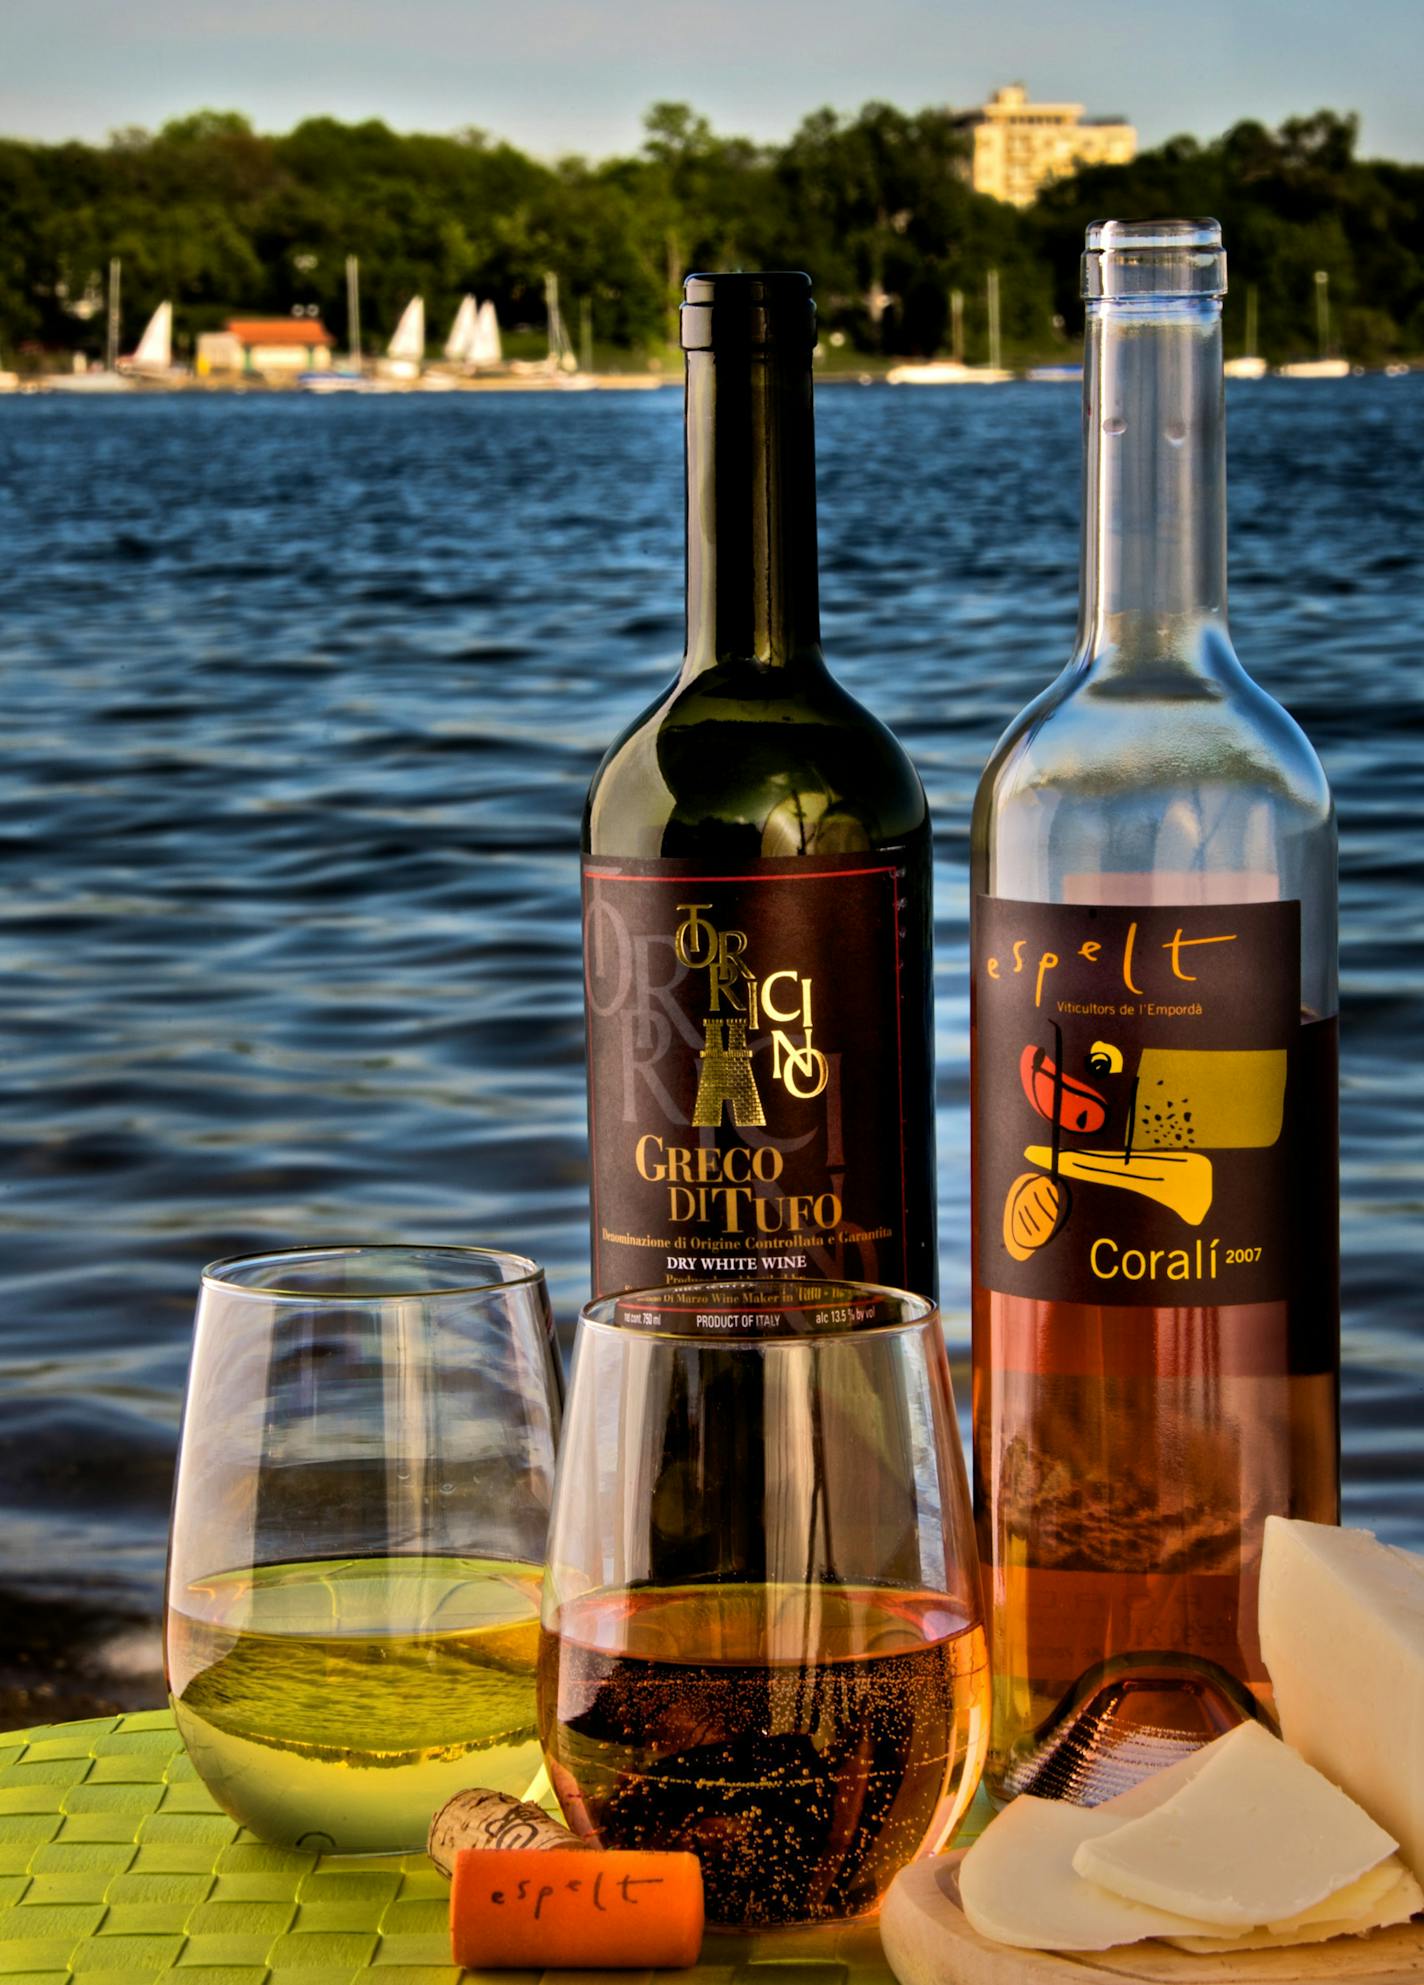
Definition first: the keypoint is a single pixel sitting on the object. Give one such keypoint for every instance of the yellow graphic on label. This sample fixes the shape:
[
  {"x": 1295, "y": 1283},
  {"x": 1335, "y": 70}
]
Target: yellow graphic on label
[
  {"x": 738, "y": 1003},
  {"x": 1178, "y": 1180},
  {"x": 1034, "y": 1210},
  {"x": 1224, "y": 1099},
  {"x": 727, "y": 1080},
  {"x": 1184, "y": 1102}
]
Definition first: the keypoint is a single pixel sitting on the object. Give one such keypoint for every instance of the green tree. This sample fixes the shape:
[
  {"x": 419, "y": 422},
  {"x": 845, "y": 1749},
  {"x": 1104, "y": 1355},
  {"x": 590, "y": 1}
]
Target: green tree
[{"x": 223, "y": 219}]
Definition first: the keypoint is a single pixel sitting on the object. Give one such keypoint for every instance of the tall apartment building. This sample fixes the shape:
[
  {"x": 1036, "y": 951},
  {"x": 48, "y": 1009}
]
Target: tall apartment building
[{"x": 1018, "y": 146}]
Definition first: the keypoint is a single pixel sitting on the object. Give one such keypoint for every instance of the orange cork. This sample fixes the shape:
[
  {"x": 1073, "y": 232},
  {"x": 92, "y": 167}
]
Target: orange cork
[{"x": 588, "y": 1909}]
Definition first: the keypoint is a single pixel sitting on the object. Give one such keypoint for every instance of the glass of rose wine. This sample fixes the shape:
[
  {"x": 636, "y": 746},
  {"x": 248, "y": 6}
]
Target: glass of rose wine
[
  {"x": 761, "y": 1634},
  {"x": 363, "y": 1490}
]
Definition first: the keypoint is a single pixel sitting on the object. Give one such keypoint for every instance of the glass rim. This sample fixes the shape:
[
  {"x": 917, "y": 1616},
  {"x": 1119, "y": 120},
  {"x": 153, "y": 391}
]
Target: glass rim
[
  {"x": 221, "y": 1275},
  {"x": 601, "y": 1314},
  {"x": 1131, "y": 261},
  {"x": 1171, "y": 231}
]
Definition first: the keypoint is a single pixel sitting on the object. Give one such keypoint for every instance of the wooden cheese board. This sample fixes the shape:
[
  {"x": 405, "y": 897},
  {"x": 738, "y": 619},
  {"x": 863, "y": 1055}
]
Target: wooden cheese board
[{"x": 928, "y": 1941}]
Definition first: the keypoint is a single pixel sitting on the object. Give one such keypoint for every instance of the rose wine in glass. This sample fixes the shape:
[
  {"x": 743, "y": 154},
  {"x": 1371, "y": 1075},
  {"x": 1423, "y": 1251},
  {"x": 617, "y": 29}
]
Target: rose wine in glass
[{"x": 761, "y": 1634}]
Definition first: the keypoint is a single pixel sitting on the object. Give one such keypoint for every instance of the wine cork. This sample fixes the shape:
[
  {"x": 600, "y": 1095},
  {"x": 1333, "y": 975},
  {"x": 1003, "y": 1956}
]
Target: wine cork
[
  {"x": 483, "y": 1819},
  {"x": 588, "y": 1909}
]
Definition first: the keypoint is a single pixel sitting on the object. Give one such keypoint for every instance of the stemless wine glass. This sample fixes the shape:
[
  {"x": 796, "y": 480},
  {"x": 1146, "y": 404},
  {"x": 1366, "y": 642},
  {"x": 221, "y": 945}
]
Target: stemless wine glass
[
  {"x": 363, "y": 1492},
  {"x": 761, "y": 1635}
]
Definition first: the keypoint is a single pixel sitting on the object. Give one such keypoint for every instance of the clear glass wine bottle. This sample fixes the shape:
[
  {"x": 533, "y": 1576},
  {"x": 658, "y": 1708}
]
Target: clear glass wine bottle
[{"x": 1156, "y": 1309}]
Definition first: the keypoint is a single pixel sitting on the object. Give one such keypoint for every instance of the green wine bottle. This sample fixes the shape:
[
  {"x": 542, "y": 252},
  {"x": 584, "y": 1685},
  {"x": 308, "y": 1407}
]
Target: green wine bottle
[{"x": 756, "y": 885}]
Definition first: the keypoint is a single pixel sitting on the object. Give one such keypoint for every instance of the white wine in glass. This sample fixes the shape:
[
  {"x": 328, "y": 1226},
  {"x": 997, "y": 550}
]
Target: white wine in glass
[{"x": 352, "y": 1627}]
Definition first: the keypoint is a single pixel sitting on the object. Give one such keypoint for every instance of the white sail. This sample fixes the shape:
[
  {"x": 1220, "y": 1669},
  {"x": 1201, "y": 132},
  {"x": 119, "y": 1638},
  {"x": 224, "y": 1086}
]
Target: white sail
[
  {"x": 409, "y": 339},
  {"x": 487, "y": 348},
  {"x": 155, "y": 347},
  {"x": 459, "y": 346},
  {"x": 1316, "y": 368}
]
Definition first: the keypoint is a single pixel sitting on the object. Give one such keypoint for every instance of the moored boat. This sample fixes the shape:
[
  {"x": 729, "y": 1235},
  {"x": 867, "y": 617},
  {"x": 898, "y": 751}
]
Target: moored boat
[
  {"x": 405, "y": 354},
  {"x": 1315, "y": 368},
  {"x": 946, "y": 372}
]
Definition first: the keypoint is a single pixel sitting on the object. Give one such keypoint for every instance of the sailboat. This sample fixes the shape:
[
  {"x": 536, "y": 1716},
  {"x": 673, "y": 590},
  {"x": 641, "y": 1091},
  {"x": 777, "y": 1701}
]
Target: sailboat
[
  {"x": 459, "y": 346},
  {"x": 348, "y": 378},
  {"x": 95, "y": 379},
  {"x": 405, "y": 354},
  {"x": 1250, "y": 365},
  {"x": 153, "y": 357},
  {"x": 1316, "y": 368},
  {"x": 952, "y": 371},
  {"x": 486, "y": 348},
  {"x": 98, "y": 379},
  {"x": 561, "y": 352},
  {"x": 473, "y": 345},
  {"x": 1322, "y": 367},
  {"x": 561, "y": 363},
  {"x": 946, "y": 372}
]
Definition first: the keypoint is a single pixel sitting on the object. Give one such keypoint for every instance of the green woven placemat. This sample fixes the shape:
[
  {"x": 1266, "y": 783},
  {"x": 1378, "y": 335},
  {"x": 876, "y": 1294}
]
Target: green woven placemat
[{"x": 116, "y": 1868}]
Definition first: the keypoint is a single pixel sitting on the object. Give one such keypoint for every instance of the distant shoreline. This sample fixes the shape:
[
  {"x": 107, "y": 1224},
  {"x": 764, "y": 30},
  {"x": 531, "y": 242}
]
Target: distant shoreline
[
  {"x": 218, "y": 219},
  {"x": 41, "y": 386}
]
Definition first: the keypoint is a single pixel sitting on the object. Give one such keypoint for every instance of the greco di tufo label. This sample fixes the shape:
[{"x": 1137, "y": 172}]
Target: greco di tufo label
[
  {"x": 1154, "y": 1120},
  {"x": 747, "y": 1067}
]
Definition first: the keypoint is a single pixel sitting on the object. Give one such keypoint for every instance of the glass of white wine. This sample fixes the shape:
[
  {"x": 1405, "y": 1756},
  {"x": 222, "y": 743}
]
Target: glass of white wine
[{"x": 364, "y": 1484}]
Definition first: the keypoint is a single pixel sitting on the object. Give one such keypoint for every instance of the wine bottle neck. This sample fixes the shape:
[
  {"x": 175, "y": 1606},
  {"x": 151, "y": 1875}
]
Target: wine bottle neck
[
  {"x": 1154, "y": 484},
  {"x": 752, "y": 592}
]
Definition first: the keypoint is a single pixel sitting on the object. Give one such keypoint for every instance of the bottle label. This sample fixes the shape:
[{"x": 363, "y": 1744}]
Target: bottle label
[
  {"x": 736, "y": 1311},
  {"x": 746, "y": 1069},
  {"x": 1154, "y": 1125}
]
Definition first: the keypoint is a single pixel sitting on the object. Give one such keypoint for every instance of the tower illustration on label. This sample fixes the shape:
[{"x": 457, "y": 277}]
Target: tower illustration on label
[{"x": 726, "y": 1082}]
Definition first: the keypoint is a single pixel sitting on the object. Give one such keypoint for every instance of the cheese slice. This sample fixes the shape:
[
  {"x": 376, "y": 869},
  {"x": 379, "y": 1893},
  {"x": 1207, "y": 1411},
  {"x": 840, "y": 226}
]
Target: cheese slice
[
  {"x": 1355, "y": 1899},
  {"x": 1017, "y": 1884},
  {"x": 1342, "y": 1632},
  {"x": 1254, "y": 1836},
  {"x": 1400, "y": 1899}
]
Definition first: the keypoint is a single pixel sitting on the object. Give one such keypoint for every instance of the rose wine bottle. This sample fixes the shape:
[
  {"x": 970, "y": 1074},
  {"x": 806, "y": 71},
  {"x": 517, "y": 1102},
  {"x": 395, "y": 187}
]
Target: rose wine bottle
[
  {"x": 756, "y": 884},
  {"x": 1156, "y": 1315}
]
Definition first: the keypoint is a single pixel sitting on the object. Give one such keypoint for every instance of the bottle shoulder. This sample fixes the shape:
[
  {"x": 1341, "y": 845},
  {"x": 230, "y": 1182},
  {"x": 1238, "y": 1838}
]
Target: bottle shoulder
[
  {"x": 1179, "y": 788},
  {"x": 750, "y": 762},
  {"x": 1093, "y": 739}
]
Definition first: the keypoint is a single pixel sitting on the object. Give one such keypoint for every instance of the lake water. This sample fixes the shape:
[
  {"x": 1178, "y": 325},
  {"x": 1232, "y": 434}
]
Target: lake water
[{"x": 301, "y": 699}]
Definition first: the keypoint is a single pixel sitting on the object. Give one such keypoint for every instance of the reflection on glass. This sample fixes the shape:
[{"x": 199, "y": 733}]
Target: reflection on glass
[
  {"x": 761, "y": 1632},
  {"x": 362, "y": 1496}
]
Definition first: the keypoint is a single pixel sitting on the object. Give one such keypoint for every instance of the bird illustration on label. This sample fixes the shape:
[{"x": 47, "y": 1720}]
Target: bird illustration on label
[{"x": 1175, "y": 1106}]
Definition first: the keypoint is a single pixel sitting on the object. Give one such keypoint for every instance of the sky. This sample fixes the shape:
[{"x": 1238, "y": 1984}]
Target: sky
[{"x": 559, "y": 76}]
